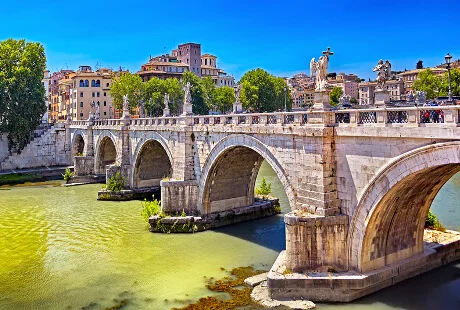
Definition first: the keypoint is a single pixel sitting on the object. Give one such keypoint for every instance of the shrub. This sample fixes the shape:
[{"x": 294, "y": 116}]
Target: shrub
[
  {"x": 116, "y": 182},
  {"x": 150, "y": 208},
  {"x": 67, "y": 175},
  {"x": 432, "y": 222},
  {"x": 264, "y": 188}
]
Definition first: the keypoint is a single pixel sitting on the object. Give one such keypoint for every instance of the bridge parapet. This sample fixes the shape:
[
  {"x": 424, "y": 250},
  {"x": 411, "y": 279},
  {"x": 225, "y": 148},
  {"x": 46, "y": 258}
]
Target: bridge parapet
[
  {"x": 369, "y": 117},
  {"x": 399, "y": 117}
]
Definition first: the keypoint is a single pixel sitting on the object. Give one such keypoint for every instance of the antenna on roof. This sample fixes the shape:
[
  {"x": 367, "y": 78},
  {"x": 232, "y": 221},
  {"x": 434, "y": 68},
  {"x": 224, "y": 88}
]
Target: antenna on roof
[{"x": 98, "y": 65}]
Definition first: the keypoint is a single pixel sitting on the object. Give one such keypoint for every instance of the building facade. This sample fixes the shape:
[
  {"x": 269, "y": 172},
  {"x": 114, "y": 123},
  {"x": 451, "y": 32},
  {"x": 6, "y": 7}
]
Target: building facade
[
  {"x": 190, "y": 54},
  {"x": 91, "y": 86}
]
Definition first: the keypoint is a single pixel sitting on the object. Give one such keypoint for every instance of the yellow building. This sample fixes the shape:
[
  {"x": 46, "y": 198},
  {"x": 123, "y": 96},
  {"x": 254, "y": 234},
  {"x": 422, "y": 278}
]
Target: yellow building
[{"x": 89, "y": 86}]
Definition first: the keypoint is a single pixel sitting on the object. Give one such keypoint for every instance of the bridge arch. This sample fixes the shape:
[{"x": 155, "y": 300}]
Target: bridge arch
[
  {"x": 229, "y": 174},
  {"x": 107, "y": 152},
  {"x": 388, "y": 224},
  {"x": 152, "y": 161},
  {"x": 79, "y": 142}
]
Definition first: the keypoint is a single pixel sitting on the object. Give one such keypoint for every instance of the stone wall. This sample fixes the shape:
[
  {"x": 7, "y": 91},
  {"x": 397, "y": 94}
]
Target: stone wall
[
  {"x": 179, "y": 195},
  {"x": 47, "y": 150}
]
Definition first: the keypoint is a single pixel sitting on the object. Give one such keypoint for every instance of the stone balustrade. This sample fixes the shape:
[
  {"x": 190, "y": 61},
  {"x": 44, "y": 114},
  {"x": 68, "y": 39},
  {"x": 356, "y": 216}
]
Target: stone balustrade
[{"x": 400, "y": 116}]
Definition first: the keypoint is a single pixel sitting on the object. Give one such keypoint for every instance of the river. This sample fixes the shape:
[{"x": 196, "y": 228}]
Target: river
[{"x": 62, "y": 249}]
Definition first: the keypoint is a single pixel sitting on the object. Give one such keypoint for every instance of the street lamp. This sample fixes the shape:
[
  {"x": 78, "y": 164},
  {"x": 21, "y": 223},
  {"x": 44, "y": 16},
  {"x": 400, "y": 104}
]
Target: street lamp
[
  {"x": 448, "y": 59},
  {"x": 285, "y": 107}
]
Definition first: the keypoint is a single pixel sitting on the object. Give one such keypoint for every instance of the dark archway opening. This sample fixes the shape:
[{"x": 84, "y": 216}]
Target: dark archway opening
[
  {"x": 231, "y": 180},
  {"x": 78, "y": 146},
  {"x": 152, "y": 165},
  {"x": 107, "y": 155}
]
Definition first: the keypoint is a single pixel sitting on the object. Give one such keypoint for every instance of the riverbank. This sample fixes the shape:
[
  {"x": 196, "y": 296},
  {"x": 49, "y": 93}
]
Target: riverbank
[{"x": 31, "y": 176}]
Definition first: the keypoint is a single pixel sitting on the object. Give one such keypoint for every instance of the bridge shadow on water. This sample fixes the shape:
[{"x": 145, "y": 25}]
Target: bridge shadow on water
[{"x": 267, "y": 232}]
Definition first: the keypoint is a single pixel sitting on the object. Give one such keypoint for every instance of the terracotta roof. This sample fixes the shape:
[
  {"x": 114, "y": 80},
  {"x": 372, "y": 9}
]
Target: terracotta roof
[
  {"x": 163, "y": 63},
  {"x": 158, "y": 72},
  {"x": 208, "y": 55},
  {"x": 418, "y": 70}
]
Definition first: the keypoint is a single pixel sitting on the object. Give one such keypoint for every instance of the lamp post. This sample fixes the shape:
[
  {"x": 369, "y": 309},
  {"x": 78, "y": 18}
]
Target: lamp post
[
  {"x": 448, "y": 59},
  {"x": 285, "y": 107}
]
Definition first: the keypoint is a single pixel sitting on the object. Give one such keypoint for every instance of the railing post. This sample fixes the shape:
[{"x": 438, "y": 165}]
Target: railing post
[
  {"x": 354, "y": 117},
  {"x": 382, "y": 116}
]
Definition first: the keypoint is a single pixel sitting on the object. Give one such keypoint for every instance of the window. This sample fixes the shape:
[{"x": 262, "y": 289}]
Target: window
[
  {"x": 81, "y": 104},
  {"x": 81, "y": 114},
  {"x": 93, "y": 83},
  {"x": 82, "y": 84},
  {"x": 105, "y": 103},
  {"x": 92, "y": 94},
  {"x": 81, "y": 94},
  {"x": 98, "y": 94},
  {"x": 105, "y": 94},
  {"x": 98, "y": 83},
  {"x": 107, "y": 85},
  {"x": 105, "y": 113},
  {"x": 86, "y": 83}
]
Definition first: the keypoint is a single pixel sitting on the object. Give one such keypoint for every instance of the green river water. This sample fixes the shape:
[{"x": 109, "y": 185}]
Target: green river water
[{"x": 62, "y": 249}]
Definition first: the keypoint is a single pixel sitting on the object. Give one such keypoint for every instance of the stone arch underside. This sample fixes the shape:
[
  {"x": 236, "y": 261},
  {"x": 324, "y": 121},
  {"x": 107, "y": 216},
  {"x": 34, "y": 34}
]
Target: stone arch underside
[
  {"x": 78, "y": 146},
  {"x": 388, "y": 224},
  {"x": 231, "y": 180},
  {"x": 230, "y": 171},
  {"x": 107, "y": 154},
  {"x": 152, "y": 165}
]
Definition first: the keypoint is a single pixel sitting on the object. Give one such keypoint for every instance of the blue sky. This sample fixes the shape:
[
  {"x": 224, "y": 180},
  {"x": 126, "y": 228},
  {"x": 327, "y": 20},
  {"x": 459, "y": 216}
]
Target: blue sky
[{"x": 278, "y": 36}]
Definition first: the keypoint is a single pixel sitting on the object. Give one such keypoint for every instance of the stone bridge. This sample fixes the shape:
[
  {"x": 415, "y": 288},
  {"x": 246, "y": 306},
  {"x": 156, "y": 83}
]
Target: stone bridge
[{"x": 363, "y": 179}]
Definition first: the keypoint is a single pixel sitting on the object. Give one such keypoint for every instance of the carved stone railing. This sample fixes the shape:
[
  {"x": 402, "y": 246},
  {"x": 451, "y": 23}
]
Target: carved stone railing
[
  {"x": 399, "y": 116},
  {"x": 394, "y": 116}
]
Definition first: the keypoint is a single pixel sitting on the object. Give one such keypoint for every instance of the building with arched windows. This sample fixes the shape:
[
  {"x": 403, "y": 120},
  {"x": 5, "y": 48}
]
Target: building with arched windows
[{"x": 88, "y": 86}]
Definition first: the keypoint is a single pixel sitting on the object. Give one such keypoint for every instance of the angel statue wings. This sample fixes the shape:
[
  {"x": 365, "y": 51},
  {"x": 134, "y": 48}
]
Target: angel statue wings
[{"x": 318, "y": 69}]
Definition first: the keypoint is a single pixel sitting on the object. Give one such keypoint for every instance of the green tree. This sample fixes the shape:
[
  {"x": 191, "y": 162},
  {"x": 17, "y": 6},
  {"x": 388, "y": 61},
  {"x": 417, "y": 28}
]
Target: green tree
[
  {"x": 154, "y": 92},
  {"x": 264, "y": 188},
  {"x": 127, "y": 84},
  {"x": 428, "y": 82},
  {"x": 176, "y": 95},
  {"x": 22, "y": 95},
  {"x": 197, "y": 92},
  {"x": 335, "y": 95},
  {"x": 208, "y": 91},
  {"x": 353, "y": 100},
  {"x": 263, "y": 92},
  {"x": 224, "y": 98},
  {"x": 153, "y": 96},
  {"x": 454, "y": 83}
]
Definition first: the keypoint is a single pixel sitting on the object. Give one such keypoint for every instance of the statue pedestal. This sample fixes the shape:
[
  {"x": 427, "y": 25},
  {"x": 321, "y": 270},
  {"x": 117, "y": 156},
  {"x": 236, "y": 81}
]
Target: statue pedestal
[
  {"x": 382, "y": 97},
  {"x": 321, "y": 100},
  {"x": 166, "y": 112},
  {"x": 237, "y": 108},
  {"x": 187, "y": 109}
]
